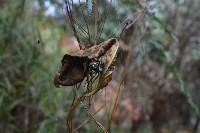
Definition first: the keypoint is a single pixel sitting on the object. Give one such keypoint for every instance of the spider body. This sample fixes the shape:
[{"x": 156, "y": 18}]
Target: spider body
[{"x": 95, "y": 66}]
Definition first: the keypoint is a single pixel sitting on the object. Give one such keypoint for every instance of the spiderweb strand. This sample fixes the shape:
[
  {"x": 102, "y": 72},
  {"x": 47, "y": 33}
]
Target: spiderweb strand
[
  {"x": 69, "y": 12},
  {"x": 85, "y": 20},
  {"x": 104, "y": 21}
]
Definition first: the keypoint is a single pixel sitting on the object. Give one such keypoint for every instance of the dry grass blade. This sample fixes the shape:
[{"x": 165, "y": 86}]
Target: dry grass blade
[
  {"x": 96, "y": 122},
  {"x": 82, "y": 124},
  {"x": 73, "y": 107}
]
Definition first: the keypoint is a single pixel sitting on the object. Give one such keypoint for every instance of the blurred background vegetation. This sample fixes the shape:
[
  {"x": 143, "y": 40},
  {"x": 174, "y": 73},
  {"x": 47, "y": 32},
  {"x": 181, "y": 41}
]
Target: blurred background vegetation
[{"x": 161, "y": 91}]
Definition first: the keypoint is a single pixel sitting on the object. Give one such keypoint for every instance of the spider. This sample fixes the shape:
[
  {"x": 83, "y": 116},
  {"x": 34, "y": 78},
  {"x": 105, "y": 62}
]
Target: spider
[{"x": 95, "y": 66}]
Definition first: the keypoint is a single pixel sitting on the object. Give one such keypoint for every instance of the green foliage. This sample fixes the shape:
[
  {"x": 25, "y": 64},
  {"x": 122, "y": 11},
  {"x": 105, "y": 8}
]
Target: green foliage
[{"x": 28, "y": 100}]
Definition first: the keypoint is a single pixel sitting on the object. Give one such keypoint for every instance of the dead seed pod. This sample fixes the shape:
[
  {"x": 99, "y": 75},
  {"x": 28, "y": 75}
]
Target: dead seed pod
[{"x": 98, "y": 59}]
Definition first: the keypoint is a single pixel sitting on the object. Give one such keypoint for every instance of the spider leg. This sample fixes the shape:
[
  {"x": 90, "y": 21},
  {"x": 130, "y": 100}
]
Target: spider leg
[{"x": 96, "y": 77}]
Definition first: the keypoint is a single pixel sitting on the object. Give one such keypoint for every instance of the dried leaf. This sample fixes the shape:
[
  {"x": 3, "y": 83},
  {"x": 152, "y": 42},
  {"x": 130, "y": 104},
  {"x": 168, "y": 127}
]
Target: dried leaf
[
  {"x": 73, "y": 70},
  {"x": 75, "y": 65}
]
